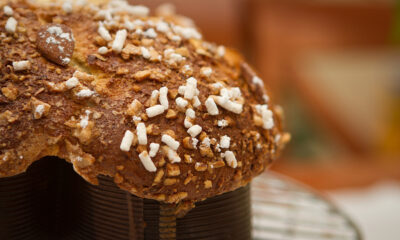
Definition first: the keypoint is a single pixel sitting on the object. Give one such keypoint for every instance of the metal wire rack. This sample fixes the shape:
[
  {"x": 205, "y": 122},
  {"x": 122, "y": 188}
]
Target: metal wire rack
[{"x": 286, "y": 210}]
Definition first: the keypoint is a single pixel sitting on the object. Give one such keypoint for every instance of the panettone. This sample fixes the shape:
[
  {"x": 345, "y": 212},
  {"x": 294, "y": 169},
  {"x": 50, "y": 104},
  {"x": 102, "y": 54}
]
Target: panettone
[{"x": 142, "y": 99}]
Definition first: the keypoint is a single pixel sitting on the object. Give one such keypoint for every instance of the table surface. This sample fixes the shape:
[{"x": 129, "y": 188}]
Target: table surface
[{"x": 286, "y": 210}]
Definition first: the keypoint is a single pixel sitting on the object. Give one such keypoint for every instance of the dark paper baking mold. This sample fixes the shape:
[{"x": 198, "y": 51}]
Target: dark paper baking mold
[{"x": 50, "y": 201}]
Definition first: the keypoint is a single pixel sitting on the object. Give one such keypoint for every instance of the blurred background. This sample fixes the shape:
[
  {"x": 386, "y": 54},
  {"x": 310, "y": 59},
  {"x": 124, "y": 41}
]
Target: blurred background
[{"x": 334, "y": 65}]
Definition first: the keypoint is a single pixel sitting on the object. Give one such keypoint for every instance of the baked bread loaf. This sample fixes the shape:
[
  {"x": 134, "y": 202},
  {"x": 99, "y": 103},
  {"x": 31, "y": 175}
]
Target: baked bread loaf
[{"x": 142, "y": 99}]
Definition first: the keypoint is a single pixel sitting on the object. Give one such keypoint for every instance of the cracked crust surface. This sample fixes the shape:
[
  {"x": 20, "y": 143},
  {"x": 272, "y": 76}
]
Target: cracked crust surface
[{"x": 84, "y": 120}]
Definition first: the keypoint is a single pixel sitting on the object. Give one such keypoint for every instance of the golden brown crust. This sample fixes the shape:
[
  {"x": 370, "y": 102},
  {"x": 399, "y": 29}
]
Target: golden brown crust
[{"x": 81, "y": 112}]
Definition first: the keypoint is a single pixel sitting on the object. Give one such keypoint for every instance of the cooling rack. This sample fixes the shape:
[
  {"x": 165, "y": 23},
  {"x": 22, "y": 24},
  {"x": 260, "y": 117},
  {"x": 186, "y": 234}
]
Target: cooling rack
[{"x": 286, "y": 210}]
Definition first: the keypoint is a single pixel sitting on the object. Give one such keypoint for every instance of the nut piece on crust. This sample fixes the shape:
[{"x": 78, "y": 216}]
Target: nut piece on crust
[{"x": 56, "y": 43}]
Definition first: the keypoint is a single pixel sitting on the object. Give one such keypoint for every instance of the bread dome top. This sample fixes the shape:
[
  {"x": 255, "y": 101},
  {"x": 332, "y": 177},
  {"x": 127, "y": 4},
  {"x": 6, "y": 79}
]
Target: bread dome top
[{"x": 140, "y": 98}]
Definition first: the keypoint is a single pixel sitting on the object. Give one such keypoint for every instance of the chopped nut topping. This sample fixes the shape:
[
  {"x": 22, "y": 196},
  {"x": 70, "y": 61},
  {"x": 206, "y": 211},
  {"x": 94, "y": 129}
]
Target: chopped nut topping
[
  {"x": 187, "y": 180},
  {"x": 154, "y": 97},
  {"x": 83, "y": 76},
  {"x": 258, "y": 120},
  {"x": 134, "y": 108},
  {"x": 153, "y": 129},
  {"x": 84, "y": 132},
  {"x": 206, "y": 151},
  {"x": 200, "y": 167},
  {"x": 7, "y": 117},
  {"x": 147, "y": 42},
  {"x": 160, "y": 197},
  {"x": 158, "y": 177},
  {"x": 118, "y": 178},
  {"x": 173, "y": 93},
  {"x": 188, "y": 158},
  {"x": 171, "y": 114},
  {"x": 141, "y": 148},
  {"x": 144, "y": 117},
  {"x": 154, "y": 55},
  {"x": 213, "y": 141},
  {"x": 207, "y": 184},
  {"x": 55, "y": 87},
  {"x": 183, "y": 51},
  {"x": 170, "y": 181},
  {"x": 130, "y": 49},
  {"x": 173, "y": 170},
  {"x": 217, "y": 164},
  {"x": 10, "y": 92},
  {"x": 187, "y": 143},
  {"x": 82, "y": 161}
]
